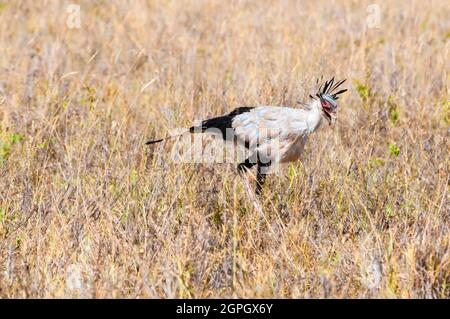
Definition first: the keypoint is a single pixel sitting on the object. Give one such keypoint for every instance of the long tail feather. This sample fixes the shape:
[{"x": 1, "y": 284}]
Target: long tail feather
[
  {"x": 154, "y": 141},
  {"x": 165, "y": 138},
  {"x": 222, "y": 123}
]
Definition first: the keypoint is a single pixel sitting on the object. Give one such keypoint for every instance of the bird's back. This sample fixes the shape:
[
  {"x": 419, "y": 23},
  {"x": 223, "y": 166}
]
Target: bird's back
[{"x": 265, "y": 122}]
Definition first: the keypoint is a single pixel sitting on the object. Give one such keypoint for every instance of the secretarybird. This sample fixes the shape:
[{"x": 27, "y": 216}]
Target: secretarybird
[{"x": 273, "y": 134}]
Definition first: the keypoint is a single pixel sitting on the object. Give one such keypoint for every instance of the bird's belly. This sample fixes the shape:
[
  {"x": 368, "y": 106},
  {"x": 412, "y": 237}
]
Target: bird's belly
[{"x": 293, "y": 151}]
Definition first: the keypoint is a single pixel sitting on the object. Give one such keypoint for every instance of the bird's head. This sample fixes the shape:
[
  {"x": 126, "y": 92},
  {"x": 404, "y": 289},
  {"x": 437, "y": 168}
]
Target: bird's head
[{"x": 328, "y": 97}]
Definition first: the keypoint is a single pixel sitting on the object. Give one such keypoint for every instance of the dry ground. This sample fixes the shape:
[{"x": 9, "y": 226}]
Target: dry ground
[{"x": 87, "y": 211}]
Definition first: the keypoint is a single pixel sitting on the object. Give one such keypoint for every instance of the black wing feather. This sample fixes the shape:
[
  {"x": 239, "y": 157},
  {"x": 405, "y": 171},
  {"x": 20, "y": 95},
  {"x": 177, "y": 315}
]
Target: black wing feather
[{"x": 221, "y": 122}]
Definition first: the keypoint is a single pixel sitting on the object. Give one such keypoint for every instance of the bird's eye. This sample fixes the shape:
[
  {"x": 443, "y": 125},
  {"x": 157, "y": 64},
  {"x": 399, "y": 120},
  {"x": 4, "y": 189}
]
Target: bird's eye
[{"x": 325, "y": 104}]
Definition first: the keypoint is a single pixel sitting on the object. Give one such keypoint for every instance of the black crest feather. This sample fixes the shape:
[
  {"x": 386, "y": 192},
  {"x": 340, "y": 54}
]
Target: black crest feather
[{"x": 329, "y": 87}]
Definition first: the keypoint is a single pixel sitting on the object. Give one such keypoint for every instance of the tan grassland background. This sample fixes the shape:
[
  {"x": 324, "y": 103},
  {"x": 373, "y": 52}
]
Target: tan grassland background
[{"x": 86, "y": 210}]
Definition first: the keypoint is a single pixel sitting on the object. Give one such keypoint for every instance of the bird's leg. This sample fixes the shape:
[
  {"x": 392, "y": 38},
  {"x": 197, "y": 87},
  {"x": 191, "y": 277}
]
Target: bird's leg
[
  {"x": 261, "y": 175},
  {"x": 247, "y": 164}
]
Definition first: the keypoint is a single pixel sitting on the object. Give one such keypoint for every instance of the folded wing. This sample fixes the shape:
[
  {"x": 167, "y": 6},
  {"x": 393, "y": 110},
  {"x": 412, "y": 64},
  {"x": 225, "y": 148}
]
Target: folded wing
[{"x": 265, "y": 126}]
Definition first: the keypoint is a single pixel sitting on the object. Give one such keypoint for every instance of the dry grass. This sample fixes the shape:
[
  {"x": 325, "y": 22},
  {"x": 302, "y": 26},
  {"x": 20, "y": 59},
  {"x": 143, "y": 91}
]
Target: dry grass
[{"x": 86, "y": 210}]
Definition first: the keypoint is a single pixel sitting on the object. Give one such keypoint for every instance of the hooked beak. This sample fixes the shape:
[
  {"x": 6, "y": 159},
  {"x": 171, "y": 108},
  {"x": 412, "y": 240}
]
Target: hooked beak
[
  {"x": 330, "y": 115},
  {"x": 333, "y": 117}
]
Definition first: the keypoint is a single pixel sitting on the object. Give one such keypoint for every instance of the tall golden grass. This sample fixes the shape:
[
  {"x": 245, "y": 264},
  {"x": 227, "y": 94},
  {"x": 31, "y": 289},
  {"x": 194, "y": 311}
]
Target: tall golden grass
[{"x": 86, "y": 210}]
